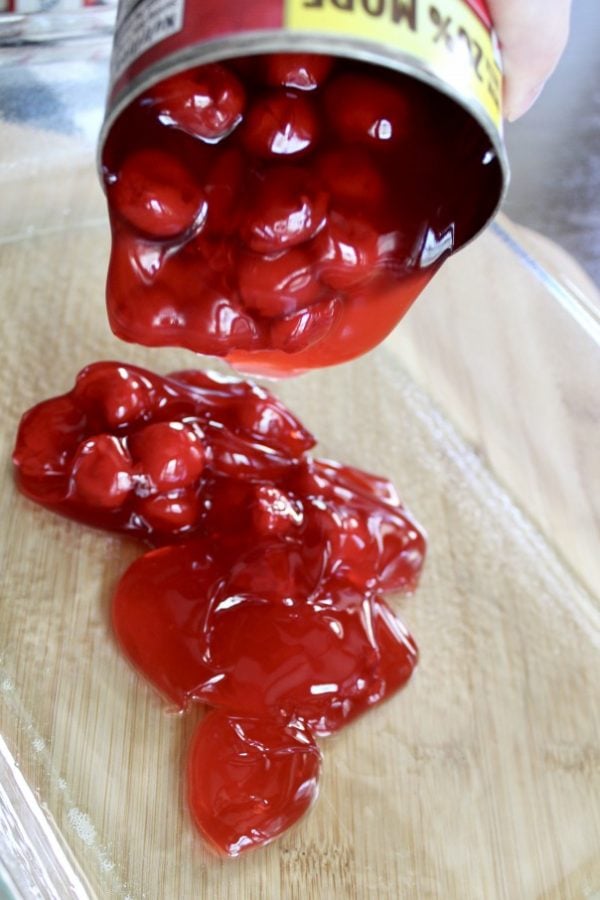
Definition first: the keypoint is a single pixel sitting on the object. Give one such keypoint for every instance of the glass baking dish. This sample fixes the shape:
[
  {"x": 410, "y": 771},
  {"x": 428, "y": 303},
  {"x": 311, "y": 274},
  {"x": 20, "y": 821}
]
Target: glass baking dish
[{"x": 481, "y": 779}]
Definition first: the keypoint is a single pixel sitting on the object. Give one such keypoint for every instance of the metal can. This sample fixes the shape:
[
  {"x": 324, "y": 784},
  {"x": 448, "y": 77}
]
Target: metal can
[
  {"x": 448, "y": 44},
  {"x": 322, "y": 263}
]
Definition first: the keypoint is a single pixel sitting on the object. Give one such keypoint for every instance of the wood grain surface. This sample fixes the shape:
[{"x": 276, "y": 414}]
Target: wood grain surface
[
  {"x": 510, "y": 350},
  {"x": 482, "y": 778}
]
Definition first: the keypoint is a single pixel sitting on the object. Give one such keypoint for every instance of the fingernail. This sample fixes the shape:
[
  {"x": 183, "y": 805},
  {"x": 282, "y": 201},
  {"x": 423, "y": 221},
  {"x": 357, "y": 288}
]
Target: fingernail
[{"x": 518, "y": 108}]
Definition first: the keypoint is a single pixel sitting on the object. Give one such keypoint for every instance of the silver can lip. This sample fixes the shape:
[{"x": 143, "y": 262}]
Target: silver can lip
[{"x": 280, "y": 41}]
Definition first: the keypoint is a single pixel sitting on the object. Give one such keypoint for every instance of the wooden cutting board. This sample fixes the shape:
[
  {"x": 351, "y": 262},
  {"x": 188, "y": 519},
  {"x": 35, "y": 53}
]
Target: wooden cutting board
[{"x": 482, "y": 778}]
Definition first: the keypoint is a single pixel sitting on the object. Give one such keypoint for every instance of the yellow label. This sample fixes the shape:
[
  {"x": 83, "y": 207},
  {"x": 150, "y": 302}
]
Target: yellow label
[{"x": 445, "y": 36}]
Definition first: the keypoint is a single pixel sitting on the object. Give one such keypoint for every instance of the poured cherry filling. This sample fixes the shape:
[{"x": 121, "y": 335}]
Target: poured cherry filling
[
  {"x": 284, "y": 211},
  {"x": 264, "y": 596}
]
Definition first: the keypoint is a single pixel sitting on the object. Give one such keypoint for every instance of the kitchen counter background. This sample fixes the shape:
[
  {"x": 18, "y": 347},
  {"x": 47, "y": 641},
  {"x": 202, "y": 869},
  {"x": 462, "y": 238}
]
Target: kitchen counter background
[{"x": 555, "y": 149}]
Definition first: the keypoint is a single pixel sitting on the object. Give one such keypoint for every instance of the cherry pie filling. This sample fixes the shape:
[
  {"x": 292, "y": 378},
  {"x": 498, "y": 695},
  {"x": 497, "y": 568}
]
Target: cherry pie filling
[
  {"x": 284, "y": 211},
  {"x": 263, "y": 598}
]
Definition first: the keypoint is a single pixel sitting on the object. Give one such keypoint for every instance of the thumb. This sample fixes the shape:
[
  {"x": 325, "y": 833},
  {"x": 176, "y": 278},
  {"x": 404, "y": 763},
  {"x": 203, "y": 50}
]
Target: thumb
[{"x": 533, "y": 35}]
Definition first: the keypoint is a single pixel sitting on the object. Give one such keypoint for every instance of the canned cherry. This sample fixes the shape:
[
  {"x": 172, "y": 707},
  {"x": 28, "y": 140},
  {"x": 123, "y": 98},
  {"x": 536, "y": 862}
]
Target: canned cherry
[
  {"x": 282, "y": 213},
  {"x": 206, "y": 103},
  {"x": 156, "y": 194}
]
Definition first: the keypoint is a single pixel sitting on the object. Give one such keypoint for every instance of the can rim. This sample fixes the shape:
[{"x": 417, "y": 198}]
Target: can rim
[{"x": 252, "y": 43}]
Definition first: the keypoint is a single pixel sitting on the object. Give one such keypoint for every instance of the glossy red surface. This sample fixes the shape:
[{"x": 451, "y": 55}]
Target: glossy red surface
[
  {"x": 270, "y": 605},
  {"x": 132, "y": 451},
  {"x": 302, "y": 71},
  {"x": 284, "y": 211},
  {"x": 206, "y": 102},
  {"x": 269, "y": 632},
  {"x": 250, "y": 779},
  {"x": 157, "y": 195}
]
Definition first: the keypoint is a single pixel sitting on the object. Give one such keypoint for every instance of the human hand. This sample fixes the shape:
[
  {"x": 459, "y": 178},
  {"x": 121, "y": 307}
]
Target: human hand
[{"x": 532, "y": 34}]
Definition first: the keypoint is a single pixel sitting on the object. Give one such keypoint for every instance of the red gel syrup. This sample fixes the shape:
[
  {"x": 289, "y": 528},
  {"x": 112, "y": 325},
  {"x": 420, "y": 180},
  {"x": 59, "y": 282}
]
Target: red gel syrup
[
  {"x": 250, "y": 779},
  {"x": 371, "y": 178},
  {"x": 264, "y": 596},
  {"x": 259, "y": 641}
]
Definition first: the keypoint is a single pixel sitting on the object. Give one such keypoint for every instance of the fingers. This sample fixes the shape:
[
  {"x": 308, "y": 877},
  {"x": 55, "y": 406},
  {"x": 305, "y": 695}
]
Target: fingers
[{"x": 532, "y": 34}]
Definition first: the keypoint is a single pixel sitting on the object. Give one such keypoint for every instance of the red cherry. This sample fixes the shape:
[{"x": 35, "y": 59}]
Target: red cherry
[
  {"x": 224, "y": 186},
  {"x": 234, "y": 456},
  {"x": 135, "y": 276},
  {"x": 249, "y": 779},
  {"x": 368, "y": 109},
  {"x": 278, "y": 285},
  {"x": 288, "y": 208},
  {"x": 47, "y": 436},
  {"x": 116, "y": 395},
  {"x": 188, "y": 305},
  {"x": 353, "y": 178},
  {"x": 268, "y": 421},
  {"x": 217, "y": 324},
  {"x": 135, "y": 261},
  {"x": 307, "y": 327},
  {"x": 141, "y": 305},
  {"x": 158, "y": 612},
  {"x": 214, "y": 321},
  {"x": 371, "y": 538},
  {"x": 101, "y": 473},
  {"x": 352, "y": 551},
  {"x": 247, "y": 408},
  {"x": 174, "y": 512},
  {"x": 256, "y": 480},
  {"x": 348, "y": 251},
  {"x": 169, "y": 455},
  {"x": 156, "y": 194},
  {"x": 207, "y": 102},
  {"x": 274, "y": 512},
  {"x": 280, "y": 123},
  {"x": 149, "y": 315},
  {"x": 302, "y": 71}
]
